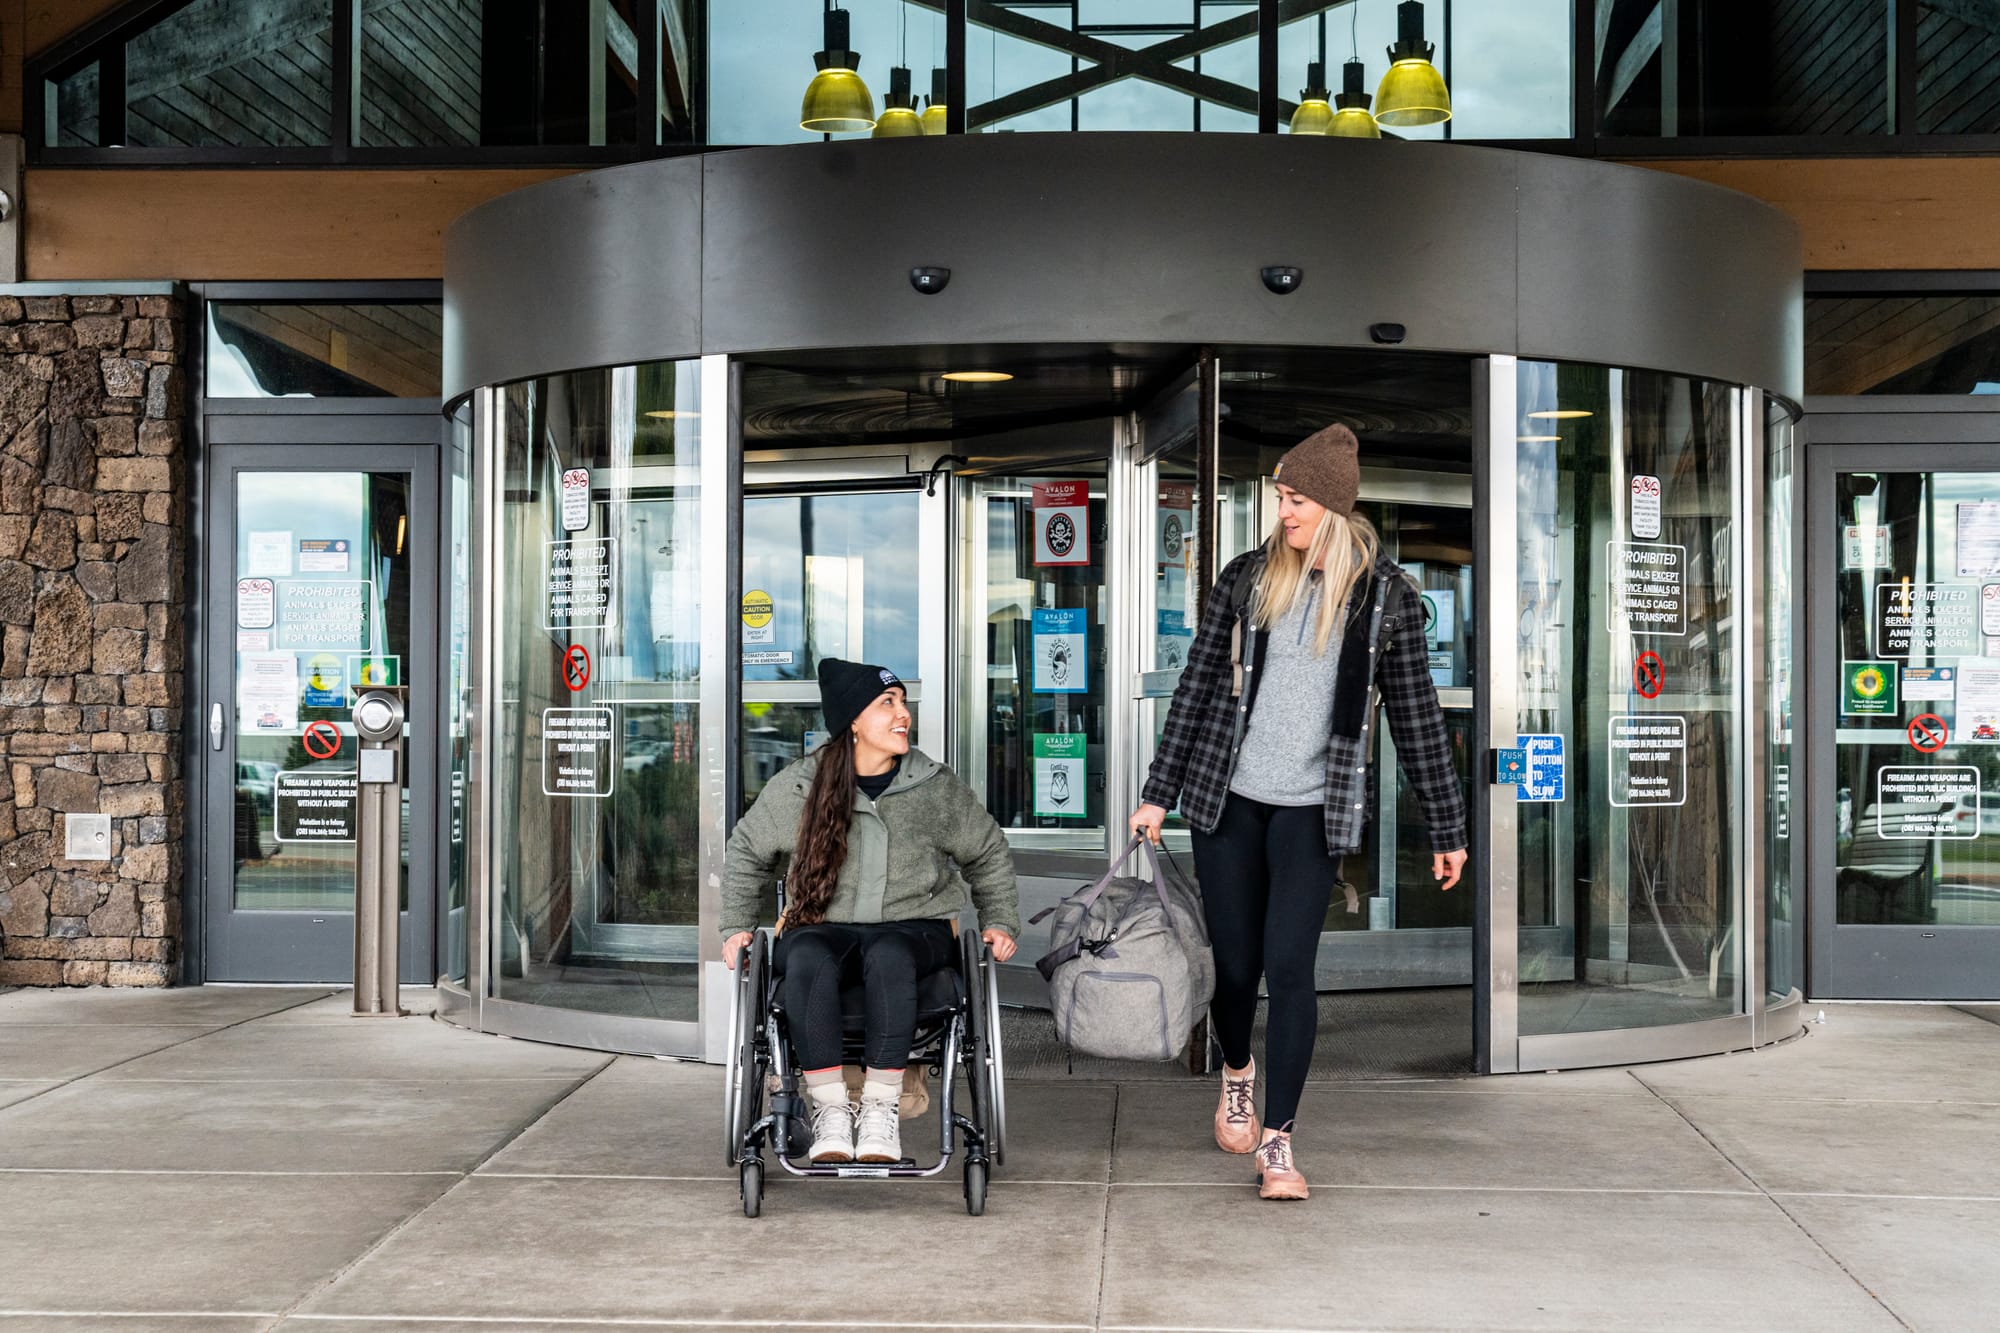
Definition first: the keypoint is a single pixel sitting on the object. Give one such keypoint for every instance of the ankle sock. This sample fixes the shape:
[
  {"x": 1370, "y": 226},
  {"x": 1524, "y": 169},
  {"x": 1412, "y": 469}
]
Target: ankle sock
[
  {"x": 885, "y": 1084},
  {"x": 826, "y": 1085}
]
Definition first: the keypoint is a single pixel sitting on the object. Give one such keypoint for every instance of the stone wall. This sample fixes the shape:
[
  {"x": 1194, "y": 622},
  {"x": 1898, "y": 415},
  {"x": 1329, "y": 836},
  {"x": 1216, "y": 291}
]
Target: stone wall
[{"x": 92, "y": 601}]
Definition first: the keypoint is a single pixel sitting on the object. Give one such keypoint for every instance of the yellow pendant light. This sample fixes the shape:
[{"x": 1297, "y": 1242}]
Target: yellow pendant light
[
  {"x": 935, "y": 118},
  {"x": 1352, "y": 120},
  {"x": 1314, "y": 114},
  {"x": 1412, "y": 92},
  {"x": 837, "y": 101},
  {"x": 899, "y": 109}
]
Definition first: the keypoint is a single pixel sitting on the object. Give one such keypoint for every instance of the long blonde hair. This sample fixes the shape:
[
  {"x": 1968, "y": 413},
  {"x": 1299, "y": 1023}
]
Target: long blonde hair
[{"x": 1348, "y": 544}]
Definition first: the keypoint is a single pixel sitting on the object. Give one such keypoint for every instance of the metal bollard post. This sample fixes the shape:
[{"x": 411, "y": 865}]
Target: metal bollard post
[{"x": 378, "y": 861}]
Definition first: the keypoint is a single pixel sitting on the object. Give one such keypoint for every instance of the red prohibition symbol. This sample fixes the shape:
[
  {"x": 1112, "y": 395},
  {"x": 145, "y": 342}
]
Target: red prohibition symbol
[
  {"x": 576, "y": 667},
  {"x": 322, "y": 740},
  {"x": 1649, "y": 675},
  {"x": 1928, "y": 732}
]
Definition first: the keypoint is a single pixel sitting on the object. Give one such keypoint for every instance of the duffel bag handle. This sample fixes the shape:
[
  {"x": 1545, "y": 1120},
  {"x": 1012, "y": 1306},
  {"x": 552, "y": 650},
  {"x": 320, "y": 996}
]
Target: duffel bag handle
[{"x": 1085, "y": 897}]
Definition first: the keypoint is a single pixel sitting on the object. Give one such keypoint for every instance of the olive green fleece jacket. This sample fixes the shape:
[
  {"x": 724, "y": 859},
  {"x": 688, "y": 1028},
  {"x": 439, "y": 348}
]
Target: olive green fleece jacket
[{"x": 910, "y": 854}]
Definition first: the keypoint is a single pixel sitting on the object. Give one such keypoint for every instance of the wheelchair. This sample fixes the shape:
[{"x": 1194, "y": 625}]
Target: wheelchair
[{"x": 958, "y": 1031}]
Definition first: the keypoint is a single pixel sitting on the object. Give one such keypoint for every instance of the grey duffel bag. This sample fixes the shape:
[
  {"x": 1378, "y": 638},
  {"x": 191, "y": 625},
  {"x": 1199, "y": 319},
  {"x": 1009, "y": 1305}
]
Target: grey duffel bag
[{"x": 1130, "y": 968}]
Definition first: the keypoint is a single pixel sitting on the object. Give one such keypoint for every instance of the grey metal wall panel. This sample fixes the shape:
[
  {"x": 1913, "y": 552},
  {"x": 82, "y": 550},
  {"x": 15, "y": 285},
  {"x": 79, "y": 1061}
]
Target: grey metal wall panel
[
  {"x": 1123, "y": 238},
  {"x": 602, "y": 268},
  {"x": 1107, "y": 238},
  {"x": 1630, "y": 267}
]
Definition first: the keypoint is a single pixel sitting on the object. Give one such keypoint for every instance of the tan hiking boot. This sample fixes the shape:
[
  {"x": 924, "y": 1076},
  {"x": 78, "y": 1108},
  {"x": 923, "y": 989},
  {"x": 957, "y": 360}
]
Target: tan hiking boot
[
  {"x": 1236, "y": 1113},
  {"x": 1277, "y": 1177}
]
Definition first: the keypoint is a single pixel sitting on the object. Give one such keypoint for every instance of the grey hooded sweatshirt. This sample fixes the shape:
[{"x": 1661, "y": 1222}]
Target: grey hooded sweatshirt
[{"x": 910, "y": 854}]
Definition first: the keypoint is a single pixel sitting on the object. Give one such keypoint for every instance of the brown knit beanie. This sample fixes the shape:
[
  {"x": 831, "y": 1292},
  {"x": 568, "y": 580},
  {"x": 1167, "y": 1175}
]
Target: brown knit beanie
[{"x": 1325, "y": 467}]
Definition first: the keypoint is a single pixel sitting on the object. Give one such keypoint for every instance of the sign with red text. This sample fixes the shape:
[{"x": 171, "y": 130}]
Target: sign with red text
[{"x": 1062, "y": 523}]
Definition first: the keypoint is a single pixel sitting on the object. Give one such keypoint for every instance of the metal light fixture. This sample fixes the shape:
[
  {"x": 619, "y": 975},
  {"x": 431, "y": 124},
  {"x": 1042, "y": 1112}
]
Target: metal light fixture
[
  {"x": 899, "y": 109},
  {"x": 1412, "y": 92},
  {"x": 1353, "y": 120},
  {"x": 837, "y": 101},
  {"x": 1314, "y": 113},
  {"x": 935, "y": 111}
]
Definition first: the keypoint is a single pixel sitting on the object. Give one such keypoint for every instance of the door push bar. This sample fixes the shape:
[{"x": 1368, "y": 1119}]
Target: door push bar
[{"x": 378, "y": 861}]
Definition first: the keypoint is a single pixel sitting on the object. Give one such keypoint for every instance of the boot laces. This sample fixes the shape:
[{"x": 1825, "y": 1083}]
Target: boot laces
[
  {"x": 831, "y": 1116},
  {"x": 878, "y": 1117},
  {"x": 1237, "y": 1094},
  {"x": 1276, "y": 1151}
]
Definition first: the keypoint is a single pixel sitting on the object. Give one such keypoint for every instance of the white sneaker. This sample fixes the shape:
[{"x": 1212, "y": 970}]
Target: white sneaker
[
  {"x": 878, "y": 1137},
  {"x": 833, "y": 1130}
]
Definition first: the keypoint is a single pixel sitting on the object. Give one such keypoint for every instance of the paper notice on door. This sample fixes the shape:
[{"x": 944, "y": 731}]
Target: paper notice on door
[
  {"x": 1060, "y": 777},
  {"x": 267, "y": 689},
  {"x": 268, "y": 553},
  {"x": 1060, "y": 647},
  {"x": 1979, "y": 540},
  {"x": 323, "y": 555},
  {"x": 1929, "y": 684},
  {"x": 1978, "y": 701},
  {"x": 575, "y": 499},
  {"x": 1646, "y": 507},
  {"x": 256, "y": 602},
  {"x": 1989, "y": 609}
]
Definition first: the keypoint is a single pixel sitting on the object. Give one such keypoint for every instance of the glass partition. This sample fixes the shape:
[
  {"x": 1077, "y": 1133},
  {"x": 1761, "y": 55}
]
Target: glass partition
[
  {"x": 267, "y": 350},
  {"x": 1784, "y": 938},
  {"x": 457, "y": 688},
  {"x": 598, "y": 712},
  {"x": 1628, "y": 654}
]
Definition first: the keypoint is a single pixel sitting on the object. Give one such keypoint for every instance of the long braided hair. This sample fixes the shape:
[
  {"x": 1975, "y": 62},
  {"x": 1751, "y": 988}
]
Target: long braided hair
[{"x": 822, "y": 841}]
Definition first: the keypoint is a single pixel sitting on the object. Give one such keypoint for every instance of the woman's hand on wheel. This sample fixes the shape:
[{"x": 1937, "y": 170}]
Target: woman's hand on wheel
[
  {"x": 733, "y": 947},
  {"x": 1447, "y": 866},
  {"x": 1000, "y": 942},
  {"x": 1146, "y": 822}
]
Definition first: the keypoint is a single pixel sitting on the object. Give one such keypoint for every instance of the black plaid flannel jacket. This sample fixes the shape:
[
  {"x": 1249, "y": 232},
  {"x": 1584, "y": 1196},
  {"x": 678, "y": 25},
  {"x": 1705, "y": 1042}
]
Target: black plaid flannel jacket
[{"x": 1204, "y": 728}]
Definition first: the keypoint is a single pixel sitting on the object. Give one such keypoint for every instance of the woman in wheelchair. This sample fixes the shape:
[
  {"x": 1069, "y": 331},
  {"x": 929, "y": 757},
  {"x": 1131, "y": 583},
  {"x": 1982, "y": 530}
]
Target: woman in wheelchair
[{"x": 876, "y": 843}]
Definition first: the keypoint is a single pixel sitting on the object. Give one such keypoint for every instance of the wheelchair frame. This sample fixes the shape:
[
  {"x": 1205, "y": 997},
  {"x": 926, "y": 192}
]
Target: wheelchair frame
[{"x": 967, "y": 1039}]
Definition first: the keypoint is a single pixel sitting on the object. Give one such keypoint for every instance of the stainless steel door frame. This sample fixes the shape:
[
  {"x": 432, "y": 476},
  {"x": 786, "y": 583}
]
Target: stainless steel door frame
[
  {"x": 269, "y": 946},
  {"x": 1874, "y": 962}
]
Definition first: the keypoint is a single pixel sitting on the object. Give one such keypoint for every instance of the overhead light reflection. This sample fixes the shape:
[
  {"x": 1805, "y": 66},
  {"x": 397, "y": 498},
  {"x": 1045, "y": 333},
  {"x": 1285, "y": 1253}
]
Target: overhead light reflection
[{"x": 977, "y": 376}]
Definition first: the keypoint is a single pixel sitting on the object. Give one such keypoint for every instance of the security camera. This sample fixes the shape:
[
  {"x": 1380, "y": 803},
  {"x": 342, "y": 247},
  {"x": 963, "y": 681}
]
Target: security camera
[
  {"x": 1282, "y": 279},
  {"x": 929, "y": 279},
  {"x": 1387, "y": 333}
]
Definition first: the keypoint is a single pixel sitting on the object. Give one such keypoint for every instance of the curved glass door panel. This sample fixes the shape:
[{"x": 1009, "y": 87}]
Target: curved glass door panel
[
  {"x": 595, "y": 753},
  {"x": 1628, "y": 660}
]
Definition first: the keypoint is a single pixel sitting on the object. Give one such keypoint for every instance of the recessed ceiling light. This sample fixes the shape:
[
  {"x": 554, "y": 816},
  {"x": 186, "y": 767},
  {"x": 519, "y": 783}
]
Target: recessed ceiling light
[
  {"x": 1559, "y": 414},
  {"x": 977, "y": 376},
  {"x": 1538, "y": 439},
  {"x": 674, "y": 414}
]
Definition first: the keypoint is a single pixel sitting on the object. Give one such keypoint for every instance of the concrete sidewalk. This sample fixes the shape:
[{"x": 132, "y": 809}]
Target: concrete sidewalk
[{"x": 240, "y": 1160}]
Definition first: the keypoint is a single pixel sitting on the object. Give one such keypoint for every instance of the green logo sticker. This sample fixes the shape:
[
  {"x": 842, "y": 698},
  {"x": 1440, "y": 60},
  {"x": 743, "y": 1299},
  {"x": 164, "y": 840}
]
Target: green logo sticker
[{"x": 1868, "y": 689}]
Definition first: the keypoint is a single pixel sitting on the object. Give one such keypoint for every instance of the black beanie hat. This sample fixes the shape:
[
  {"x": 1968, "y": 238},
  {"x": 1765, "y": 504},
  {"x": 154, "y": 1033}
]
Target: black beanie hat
[{"x": 845, "y": 688}]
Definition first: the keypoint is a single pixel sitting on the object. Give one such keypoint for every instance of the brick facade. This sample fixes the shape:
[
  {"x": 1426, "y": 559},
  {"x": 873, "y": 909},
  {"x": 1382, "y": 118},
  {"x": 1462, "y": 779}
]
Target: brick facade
[{"x": 93, "y": 483}]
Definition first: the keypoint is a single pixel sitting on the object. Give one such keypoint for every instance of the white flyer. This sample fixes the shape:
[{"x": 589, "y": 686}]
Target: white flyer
[
  {"x": 575, "y": 499},
  {"x": 1979, "y": 540},
  {"x": 1989, "y": 609},
  {"x": 269, "y": 554},
  {"x": 267, "y": 686},
  {"x": 1646, "y": 507},
  {"x": 1864, "y": 547},
  {"x": 1978, "y": 701},
  {"x": 256, "y": 603}
]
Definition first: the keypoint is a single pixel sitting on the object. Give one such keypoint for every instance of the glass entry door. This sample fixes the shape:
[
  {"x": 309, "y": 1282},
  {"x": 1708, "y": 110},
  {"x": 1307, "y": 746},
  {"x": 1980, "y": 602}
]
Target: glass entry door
[
  {"x": 1907, "y": 617},
  {"x": 321, "y": 579}
]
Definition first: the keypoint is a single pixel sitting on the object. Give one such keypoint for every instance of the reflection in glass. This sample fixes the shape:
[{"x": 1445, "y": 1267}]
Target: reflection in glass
[
  {"x": 599, "y": 685},
  {"x": 1032, "y": 653},
  {"x": 1958, "y": 52},
  {"x": 322, "y": 586},
  {"x": 1917, "y": 746},
  {"x": 324, "y": 351},
  {"x": 760, "y": 60},
  {"x": 1784, "y": 940},
  {"x": 222, "y": 74},
  {"x": 458, "y": 687},
  {"x": 1894, "y": 344},
  {"x": 1821, "y": 69},
  {"x": 1628, "y": 653}
]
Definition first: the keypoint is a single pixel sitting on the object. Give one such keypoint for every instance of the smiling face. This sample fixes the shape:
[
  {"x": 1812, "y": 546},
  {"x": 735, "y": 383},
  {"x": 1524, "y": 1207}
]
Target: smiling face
[
  {"x": 1300, "y": 516},
  {"x": 884, "y": 725}
]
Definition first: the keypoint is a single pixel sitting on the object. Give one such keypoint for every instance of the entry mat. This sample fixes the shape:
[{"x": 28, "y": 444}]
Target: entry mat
[{"x": 1385, "y": 1034}]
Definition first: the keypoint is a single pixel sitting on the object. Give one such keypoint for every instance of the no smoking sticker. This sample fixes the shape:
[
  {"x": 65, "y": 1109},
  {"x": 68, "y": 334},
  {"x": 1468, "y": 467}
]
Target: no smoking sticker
[
  {"x": 322, "y": 740},
  {"x": 1649, "y": 675},
  {"x": 576, "y": 667},
  {"x": 1929, "y": 733}
]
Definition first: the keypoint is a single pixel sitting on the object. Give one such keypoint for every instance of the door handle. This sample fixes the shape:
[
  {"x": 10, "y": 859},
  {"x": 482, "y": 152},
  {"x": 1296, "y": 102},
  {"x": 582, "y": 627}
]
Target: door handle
[{"x": 215, "y": 726}]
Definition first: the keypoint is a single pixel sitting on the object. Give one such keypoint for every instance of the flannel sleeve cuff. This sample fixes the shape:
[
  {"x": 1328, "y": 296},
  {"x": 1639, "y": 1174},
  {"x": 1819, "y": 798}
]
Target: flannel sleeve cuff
[{"x": 1448, "y": 839}]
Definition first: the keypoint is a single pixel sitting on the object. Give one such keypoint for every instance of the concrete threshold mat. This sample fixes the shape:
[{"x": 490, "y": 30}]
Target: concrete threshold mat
[
  {"x": 106, "y": 1243},
  {"x": 361, "y": 1049},
  {"x": 1435, "y": 1140},
  {"x": 527, "y": 1249},
  {"x": 1391, "y": 1259},
  {"x": 204, "y": 1006},
  {"x": 1944, "y": 1148},
  {"x": 344, "y": 1125}
]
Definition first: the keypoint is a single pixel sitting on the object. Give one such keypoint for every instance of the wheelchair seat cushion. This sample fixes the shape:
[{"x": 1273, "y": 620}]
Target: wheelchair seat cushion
[{"x": 937, "y": 995}]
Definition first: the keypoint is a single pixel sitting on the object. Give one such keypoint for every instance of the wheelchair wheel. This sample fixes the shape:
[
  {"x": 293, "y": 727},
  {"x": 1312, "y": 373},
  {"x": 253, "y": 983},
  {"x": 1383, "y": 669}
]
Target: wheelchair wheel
[
  {"x": 751, "y": 1178},
  {"x": 742, "y": 1082},
  {"x": 992, "y": 1063},
  {"x": 975, "y": 1188}
]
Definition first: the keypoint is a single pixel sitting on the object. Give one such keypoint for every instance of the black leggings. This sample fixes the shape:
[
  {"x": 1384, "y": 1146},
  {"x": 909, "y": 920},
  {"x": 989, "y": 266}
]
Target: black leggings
[
  {"x": 1266, "y": 879},
  {"x": 889, "y": 958}
]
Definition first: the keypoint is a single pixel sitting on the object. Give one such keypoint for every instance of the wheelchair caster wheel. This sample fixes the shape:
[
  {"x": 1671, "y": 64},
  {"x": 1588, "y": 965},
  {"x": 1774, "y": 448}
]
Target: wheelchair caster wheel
[
  {"x": 975, "y": 1188},
  {"x": 751, "y": 1174}
]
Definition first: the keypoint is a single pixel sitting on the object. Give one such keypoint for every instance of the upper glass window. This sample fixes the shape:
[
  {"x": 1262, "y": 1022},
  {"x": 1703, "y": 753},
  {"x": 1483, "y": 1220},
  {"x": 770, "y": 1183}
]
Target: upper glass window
[
  {"x": 265, "y": 350},
  {"x": 1958, "y": 67},
  {"x": 1878, "y": 344}
]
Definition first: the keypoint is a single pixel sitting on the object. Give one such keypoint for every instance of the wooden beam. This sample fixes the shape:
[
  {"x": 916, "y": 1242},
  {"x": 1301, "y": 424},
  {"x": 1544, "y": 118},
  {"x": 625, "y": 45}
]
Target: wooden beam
[{"x": 270, "y": 225}]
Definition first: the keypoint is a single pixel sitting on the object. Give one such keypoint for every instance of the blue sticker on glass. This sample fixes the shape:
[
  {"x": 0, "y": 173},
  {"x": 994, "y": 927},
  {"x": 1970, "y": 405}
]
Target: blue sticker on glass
[{"x": 1543, "y": 779}]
